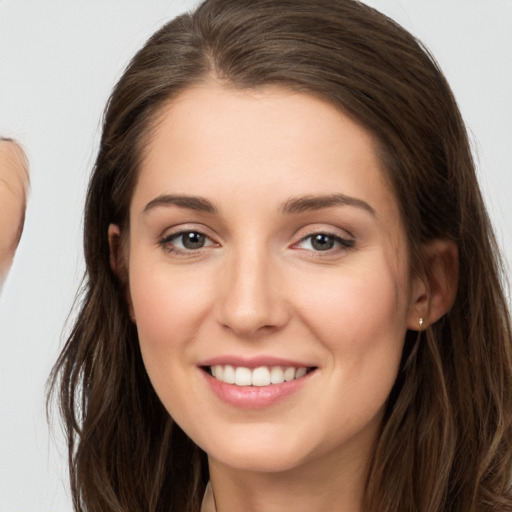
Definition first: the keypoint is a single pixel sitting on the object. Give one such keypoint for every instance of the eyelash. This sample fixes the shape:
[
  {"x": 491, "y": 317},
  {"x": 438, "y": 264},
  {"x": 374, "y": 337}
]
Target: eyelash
[
  {"x": 166, "y": 242},
  {"x": 344, "y": 244}
]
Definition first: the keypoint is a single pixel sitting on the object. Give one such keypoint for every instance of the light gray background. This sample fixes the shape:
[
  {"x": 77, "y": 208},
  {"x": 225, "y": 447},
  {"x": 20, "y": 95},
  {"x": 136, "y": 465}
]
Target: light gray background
[{"x": 58, "y": 63}]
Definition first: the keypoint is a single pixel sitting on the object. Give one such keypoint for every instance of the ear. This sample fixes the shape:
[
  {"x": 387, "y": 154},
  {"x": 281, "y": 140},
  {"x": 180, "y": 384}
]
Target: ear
[
  {"x": 434, "y": 291},
  {"x": 118, "y": 263}
]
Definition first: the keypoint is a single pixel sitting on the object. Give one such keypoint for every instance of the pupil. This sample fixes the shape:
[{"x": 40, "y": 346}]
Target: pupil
[
  {"x": 193, "y": 240},
  {"x": 322, "y": 242}
]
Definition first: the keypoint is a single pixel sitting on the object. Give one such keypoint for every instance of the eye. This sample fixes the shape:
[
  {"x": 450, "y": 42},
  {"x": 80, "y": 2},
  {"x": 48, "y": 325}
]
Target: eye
[
  {"x": 186, "y": 241},
  {"x": 322, "y": 242}
]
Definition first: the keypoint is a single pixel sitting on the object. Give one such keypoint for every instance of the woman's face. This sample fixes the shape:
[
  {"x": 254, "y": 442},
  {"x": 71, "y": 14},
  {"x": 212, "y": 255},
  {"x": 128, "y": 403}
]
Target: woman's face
[{"x": 266, "y": 247}]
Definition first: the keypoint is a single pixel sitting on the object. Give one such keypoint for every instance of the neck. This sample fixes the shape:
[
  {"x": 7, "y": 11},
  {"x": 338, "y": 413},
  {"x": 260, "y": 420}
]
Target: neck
[{"x": 335, "y": 485}]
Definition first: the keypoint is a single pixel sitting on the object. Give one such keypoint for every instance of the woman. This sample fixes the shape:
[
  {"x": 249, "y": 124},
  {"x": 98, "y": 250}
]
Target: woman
[{"x": 293, "y": 290}]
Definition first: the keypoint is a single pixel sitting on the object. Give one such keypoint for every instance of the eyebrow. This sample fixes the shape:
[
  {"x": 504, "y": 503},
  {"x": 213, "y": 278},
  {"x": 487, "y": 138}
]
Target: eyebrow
[
  {"x": 291, "y": 206},
  {"x": 189, "y": 202},
  {"x": 308, "y": 203}
]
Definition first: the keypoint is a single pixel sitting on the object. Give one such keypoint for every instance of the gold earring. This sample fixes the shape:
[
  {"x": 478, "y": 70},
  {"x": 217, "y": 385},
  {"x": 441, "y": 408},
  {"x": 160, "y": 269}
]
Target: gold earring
[{"x": 421, "y": 323}]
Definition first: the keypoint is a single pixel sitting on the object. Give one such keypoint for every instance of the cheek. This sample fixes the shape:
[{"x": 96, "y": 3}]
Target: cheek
[
  {"x": 361, "y": 319},
  {"x": 358, "y": 307},
  {"x": 168, "y": 309}
]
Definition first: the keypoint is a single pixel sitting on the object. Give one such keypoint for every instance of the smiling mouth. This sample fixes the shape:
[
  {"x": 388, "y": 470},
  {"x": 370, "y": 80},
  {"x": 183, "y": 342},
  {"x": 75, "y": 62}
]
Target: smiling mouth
[{"x": 259, "y": 377}]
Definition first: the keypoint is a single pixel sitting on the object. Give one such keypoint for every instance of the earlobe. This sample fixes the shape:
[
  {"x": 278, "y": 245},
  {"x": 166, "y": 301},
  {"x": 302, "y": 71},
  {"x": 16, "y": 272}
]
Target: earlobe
[{"x": 435, "y": 291}]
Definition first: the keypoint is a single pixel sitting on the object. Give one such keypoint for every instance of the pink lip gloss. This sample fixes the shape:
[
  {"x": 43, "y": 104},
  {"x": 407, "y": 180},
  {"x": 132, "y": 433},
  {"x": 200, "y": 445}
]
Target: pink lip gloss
[{"x": 254, "y": 397}]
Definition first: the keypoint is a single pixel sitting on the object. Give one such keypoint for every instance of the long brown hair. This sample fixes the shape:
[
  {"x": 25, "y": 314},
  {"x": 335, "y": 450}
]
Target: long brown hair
[{"x": 446, "y": 439}]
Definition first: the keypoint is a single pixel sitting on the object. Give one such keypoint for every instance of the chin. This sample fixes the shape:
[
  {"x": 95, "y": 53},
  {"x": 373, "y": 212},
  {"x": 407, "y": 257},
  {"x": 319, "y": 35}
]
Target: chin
[
  {"x": 261, "y": 454},
  {"x": 261, "y": 461}
]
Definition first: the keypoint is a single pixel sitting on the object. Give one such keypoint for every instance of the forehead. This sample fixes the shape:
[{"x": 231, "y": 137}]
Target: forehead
[{"x": 239, "y": 145}]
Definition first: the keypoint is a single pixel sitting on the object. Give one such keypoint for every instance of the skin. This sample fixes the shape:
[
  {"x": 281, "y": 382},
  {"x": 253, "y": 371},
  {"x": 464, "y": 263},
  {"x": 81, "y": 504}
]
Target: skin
[
  {"x": 14, "y": 183},
  {"x": 259, "y": 287}
]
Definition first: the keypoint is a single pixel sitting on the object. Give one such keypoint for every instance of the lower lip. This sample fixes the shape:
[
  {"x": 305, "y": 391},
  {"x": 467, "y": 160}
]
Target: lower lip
[{"x": 254, "y": 397}]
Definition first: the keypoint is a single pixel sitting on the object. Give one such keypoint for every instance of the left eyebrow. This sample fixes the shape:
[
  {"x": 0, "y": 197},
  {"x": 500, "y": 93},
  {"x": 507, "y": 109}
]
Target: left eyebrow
[
  {"x": 307, "y": 203},
  {"x": 182, "y": 201}
]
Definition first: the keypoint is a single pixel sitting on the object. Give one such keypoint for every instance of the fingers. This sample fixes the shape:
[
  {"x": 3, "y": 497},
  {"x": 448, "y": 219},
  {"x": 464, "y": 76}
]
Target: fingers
[
  {"x": 14, "y": 184},
  {"x": 13, "y": 166}
]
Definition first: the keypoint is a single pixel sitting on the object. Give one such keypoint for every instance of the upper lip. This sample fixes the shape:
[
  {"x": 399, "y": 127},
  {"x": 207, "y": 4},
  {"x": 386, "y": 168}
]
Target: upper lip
[{"x": 254, "y": 362}]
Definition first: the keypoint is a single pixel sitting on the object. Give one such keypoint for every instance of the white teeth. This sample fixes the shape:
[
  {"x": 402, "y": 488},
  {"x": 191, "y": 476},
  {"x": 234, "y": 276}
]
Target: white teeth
[
  {"x": 218, "y": 371},
  {"x": 261, "y": 376},
  {"x": 228, "y": 375},
  {"x": 300, "y": 372},
  {"x": 276, "y": 375},
  {"x": 289, "y": 374},
  {"x": 242, "y": 376}
]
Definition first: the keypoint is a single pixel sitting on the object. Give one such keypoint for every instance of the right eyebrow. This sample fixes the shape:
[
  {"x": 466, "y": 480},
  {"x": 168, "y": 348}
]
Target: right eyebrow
[
  {"x": 305, "y": 203},
  {"x": 196, "y": 203}
]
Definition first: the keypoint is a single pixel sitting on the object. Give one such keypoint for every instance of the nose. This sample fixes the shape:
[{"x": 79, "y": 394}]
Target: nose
[{"x": 252, "y": 300}]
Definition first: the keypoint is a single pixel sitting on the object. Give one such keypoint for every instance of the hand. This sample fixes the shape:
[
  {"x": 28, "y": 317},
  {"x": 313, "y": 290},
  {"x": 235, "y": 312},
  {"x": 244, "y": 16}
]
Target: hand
[{"x": 14, "y": 183}]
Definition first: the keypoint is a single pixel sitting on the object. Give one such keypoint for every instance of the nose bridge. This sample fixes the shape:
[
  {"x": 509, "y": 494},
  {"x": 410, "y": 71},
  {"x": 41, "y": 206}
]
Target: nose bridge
[{"x": 251, "y": 298}]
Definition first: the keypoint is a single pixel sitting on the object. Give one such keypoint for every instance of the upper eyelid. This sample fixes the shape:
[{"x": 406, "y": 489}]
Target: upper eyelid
[
  {"x": 331, "y": 230},
  {"x": 176, "y": 234},
  {"x": 343, "y": 238},
  {"x": 184, "y": 228},
  {"x": 345, "y": 241}
]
